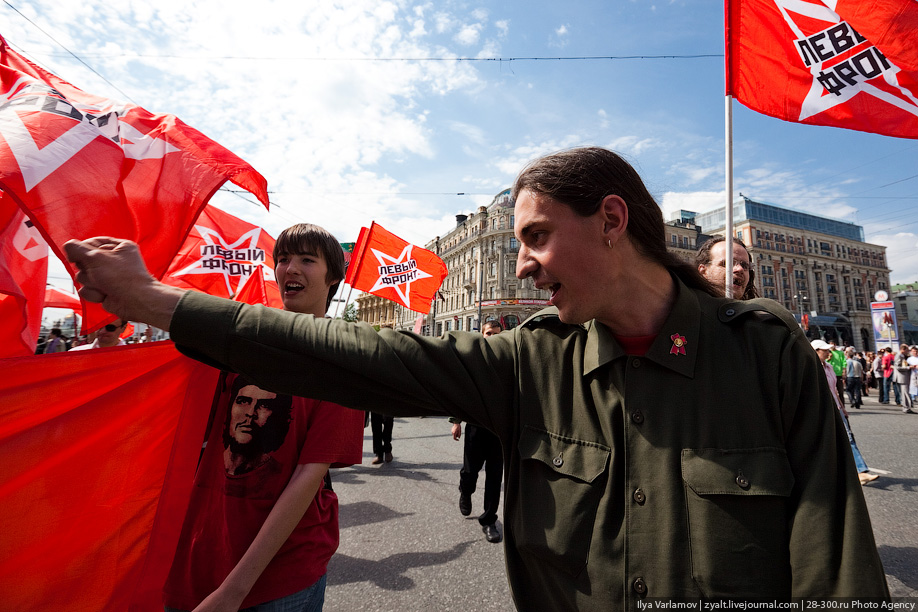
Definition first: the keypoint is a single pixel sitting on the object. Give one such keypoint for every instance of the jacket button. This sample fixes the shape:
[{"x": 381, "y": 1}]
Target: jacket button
[
  {"x": 558, "y": 461},
  {"x": 637, "y": 416},
  {"x": 639, "y": 586},
  {"x": 742, "y": 481},
  {"x": 635, "y": 363},
  {"x": 639, "y": 496},
  {"x": 729, "y": 312}
]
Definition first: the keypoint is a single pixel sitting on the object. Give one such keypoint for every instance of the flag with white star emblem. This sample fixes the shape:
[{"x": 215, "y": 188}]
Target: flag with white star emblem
[
  {"x": 82, "y": 165},
  {"x": 385, "y": 265},
  {"x": 23, "y": 274},
  {"x": 840, "y": 63},
  {"x": 221, "y": 253}
]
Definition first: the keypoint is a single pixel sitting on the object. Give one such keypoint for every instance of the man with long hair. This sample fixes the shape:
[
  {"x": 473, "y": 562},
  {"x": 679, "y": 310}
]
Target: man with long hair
[
  {"x": 634, "y": 468},
  {"x": 711, "y": 259}
]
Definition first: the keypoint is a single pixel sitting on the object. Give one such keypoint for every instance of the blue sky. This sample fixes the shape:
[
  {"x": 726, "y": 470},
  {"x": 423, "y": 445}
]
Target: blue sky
[{"x": 316, "y": 95}]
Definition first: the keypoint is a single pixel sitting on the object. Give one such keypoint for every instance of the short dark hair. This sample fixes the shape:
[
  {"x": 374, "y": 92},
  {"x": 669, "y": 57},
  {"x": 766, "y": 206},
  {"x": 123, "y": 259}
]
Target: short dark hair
[
  {"x": 493, "y": 323},
  {"x": 703, "y": 257},
  {"x": 308, "y": 238},
  {"x": 581, "y": 178},
  {"x": 57, "y": 331}
]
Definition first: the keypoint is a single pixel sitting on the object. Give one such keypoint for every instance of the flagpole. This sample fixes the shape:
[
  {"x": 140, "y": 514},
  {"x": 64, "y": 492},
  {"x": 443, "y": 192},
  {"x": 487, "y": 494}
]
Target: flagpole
[
  {"x": 728, "y": 137},
  {"x": 728, "y": 227}
]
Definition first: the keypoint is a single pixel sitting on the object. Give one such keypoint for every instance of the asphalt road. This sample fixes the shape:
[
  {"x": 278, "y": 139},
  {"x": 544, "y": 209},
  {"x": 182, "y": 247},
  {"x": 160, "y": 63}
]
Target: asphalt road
[{"x": 405, "y": 547}]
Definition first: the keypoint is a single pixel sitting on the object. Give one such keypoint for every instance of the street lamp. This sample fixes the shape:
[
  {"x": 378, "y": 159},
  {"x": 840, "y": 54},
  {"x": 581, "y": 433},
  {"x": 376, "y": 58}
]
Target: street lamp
[{"x": 800, "y": 298}]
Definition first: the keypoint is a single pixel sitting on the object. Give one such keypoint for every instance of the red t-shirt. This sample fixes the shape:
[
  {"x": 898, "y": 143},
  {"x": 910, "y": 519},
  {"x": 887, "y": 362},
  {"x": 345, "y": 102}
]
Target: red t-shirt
[
  {"x": 252, "y": 450},
  {"x": 888, "y": 359}
]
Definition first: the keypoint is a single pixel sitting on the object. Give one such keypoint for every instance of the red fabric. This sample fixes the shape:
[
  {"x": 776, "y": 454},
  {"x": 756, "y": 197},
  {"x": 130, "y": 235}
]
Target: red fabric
[
  {"x": 55, "y": 298},
  {"x": 227, "y": 510},
  {"x": 888, "y": 360},
  {"x": 98, "y": 450},
  {"x": 856, "y": 67},
  {"x": 257, "y": 290},
  {"x": 387, "y": 266},
  {"x": 81, "y": 165},
  {"x": 23, "y": 275},
  {"x": 128, "y": 331},
  {"x": 635, "y": 345},
  {"x": 220, "y": 254}
]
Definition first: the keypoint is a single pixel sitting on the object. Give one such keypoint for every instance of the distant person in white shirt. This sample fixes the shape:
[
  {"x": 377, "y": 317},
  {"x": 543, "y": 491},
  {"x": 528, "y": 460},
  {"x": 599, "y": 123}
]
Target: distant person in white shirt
[{"x": 108, "y": 336}]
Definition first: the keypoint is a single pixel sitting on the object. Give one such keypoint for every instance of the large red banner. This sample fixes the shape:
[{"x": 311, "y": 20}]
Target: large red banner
[
  {"x": 82, "y": 165},
  {"x": 844, "y": 63},
  {"x": 23, "y": 275},
  {"x": 385, "y": 265},
  {"x": 98, "y": 450},
  {"x": 221, "y": 253}
]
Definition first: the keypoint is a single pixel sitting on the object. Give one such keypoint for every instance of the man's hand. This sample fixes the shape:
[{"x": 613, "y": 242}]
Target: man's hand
[
  {"x": 113, "y": 274},
  {"x": 457, "y": 431}
]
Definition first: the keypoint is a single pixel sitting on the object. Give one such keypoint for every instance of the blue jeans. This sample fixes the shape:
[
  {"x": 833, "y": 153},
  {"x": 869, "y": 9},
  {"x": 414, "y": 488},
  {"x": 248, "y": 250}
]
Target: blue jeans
[
  {"x": 310, "y": 599},
  {"x": 895, "y": 389}
]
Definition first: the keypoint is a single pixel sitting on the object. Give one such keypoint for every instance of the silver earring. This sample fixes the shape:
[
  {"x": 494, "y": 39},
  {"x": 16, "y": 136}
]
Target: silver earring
[{"x": 609, "y": 242}]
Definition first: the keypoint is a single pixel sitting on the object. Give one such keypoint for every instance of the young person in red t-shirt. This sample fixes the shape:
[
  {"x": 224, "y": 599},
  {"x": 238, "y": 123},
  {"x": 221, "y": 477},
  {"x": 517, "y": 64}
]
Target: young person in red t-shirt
[{"x": 262, "y": 523}]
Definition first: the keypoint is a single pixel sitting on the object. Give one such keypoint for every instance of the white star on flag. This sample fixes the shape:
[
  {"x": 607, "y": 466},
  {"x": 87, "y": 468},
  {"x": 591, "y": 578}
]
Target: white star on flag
[
  {"x": 817, "y": 99},
  {"x": 213, "y": 238},
  {"x": 387, "y": 260}
]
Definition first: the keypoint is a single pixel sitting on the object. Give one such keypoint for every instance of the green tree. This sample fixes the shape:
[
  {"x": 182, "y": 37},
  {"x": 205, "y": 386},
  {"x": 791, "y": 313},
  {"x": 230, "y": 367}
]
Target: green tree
[{"x": 350, "y": 312}]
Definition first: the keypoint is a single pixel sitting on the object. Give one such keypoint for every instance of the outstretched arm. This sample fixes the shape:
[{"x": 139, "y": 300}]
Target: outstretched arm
[
  {"x": 283, "y": 518},
  {"x": 113, "y": 273}
]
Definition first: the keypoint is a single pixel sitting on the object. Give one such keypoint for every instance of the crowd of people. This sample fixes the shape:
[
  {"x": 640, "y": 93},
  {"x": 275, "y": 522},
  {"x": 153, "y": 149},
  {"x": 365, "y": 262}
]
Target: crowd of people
[{"x": 633, "y": 468}]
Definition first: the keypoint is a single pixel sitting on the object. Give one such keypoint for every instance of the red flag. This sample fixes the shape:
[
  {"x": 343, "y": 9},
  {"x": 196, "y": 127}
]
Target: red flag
[
  {"x": 387, "y": 266},
  {"x": 81, "y": 165},
  {"x": 23, "y": 275},
  {"x": 799, "y": 60},
  {"x": 257, "y": 290},
  {"x": 98, "y": 451},
  {"x": 220, "y": 253},
  {"x": 55, "y": 298}
]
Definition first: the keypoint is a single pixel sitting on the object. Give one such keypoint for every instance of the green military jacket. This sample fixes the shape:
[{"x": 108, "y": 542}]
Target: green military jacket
[{"x": 714, "y": 466}]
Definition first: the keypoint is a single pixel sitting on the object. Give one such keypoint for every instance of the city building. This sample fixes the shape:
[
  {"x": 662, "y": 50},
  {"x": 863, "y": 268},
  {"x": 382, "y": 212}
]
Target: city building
[
  {"x": 905, "y": 298},
  {"x": 480, "y": 253},
  {"x": 812, "y": 265}
]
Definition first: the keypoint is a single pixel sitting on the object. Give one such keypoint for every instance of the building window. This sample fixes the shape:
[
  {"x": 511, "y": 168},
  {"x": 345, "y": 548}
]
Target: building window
[
  {"x": 511, "y": 221},
  {"x": 513, "y": 243}
]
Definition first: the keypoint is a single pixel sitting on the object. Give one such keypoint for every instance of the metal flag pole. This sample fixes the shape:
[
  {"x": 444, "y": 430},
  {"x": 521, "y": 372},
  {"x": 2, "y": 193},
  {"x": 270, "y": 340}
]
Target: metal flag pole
[
  {"x": 728, "y": 128},
  {"x": 728, "y": 227}
]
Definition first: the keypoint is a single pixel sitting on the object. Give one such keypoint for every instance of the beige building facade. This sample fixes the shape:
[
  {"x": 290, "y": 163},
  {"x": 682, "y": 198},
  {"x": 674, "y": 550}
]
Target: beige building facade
[{"x": 812, "y": 265}]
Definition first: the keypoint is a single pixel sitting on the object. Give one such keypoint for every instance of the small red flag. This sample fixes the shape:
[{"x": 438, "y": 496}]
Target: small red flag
[
  {"x": 220, "y": 254},
  {"x": 23, "y": 275},
  {"x": 55, "y": 298},
  {"x": 257, "y": 290},
  {"x": 82, "y": 165},
  {"x": 854, "y": 65},
  {"x": 387, "y": 266}
]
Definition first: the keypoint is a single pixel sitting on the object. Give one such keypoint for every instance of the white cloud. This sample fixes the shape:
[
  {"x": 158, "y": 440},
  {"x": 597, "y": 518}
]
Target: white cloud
[
  {"x": 559, "y": 37},
  {"x": 503, "y": 27},
  {"x": 632, "y": 145},
  {"x": 901, "y": 254},
  {"x": 468, "y": 34},
  {"x": 695, "y": 201}
]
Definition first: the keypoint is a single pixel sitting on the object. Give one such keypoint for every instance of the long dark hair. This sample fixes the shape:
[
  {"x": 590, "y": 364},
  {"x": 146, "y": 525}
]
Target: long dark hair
[
  {"x": 581, "y": 178},
  {"x": 703, "y": 258}
]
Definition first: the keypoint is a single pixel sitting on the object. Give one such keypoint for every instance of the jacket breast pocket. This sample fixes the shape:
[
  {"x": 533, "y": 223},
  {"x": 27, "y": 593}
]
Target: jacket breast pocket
[
  {"x": 561, "y": 484},
  {"x": 738, "y": 520}
]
